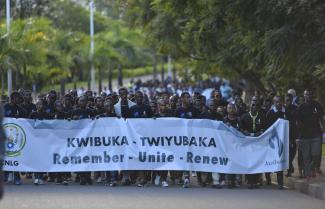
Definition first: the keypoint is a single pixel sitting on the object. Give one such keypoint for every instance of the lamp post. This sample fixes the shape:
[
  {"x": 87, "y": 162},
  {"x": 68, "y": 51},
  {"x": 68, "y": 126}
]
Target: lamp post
[
  {"x": 8, "y": 31},
  {"x": 92, "y": 46}
]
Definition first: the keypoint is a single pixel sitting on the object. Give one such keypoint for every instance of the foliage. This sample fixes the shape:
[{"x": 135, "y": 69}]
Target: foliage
[{"x": 273, "y": 43}]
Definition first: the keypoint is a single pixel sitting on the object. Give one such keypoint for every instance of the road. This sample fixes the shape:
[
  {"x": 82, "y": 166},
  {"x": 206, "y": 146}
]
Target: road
[{"x": 53, "y": 196}]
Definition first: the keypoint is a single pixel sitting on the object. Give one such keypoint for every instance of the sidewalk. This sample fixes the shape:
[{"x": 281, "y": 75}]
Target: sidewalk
[{"x": 314, "y": 188}]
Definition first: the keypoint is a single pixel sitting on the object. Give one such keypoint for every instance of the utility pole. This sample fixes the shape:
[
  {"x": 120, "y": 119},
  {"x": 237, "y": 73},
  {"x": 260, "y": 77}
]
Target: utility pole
[
  {"x": 8, "y": 61},
  {"x": 92, "y": 47}
]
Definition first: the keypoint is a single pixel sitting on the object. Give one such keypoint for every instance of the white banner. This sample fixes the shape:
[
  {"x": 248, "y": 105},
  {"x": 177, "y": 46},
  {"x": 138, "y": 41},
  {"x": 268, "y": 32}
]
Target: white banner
[{"x": 142, "y": 144}]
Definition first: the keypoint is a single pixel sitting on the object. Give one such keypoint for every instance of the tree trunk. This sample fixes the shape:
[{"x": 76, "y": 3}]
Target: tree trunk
[
  {"x": 100, "y": 80},
  {"x": 2, "y": 82},
  {"x": 174, "y": 72},
  {"x": 163, "y": 70},
  {"x": 155, "y": 66},
  {"x": 120, "y": 76},
  {"x": 62, "y": 86},
  {"x": 110, "y": 78}
]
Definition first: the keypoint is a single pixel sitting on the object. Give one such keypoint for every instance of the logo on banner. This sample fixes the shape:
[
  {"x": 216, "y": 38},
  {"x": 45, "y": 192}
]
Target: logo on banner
[
  {"x": 15, "y": 139},
  {"x": 275, "y": 142}
]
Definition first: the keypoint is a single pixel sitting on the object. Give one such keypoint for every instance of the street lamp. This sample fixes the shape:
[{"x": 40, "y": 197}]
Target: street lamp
[
  {"x": 92, "y": 46},
  {"x": 8, "y": 31}
]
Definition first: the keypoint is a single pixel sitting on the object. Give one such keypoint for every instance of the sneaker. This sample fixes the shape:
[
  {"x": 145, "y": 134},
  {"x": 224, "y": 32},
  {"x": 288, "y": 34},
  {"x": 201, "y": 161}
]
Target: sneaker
[
  {"x": 140, "y": 185},
  {"x": 280, "y": 187},
  {"x": 17, "y": 182},
  {"x": 99, "y": 180},
  {"x": 127, "y": 182},
  {"x": 65, "y": 183},
  {"x": 10, "y": 178},
  {"x": 112, "y": 184},
  {"x": 157, "y": 180},
  {"x": 164, "y": 184},
  {"x": 89, "y": 181},
  {"x": 36, "y": 181},
  {"x": 50, "y": 180},
  {"x": 186, "y": 183},
  {"x": 217, "y": 186},
  {"x": 40, "y": 182}
]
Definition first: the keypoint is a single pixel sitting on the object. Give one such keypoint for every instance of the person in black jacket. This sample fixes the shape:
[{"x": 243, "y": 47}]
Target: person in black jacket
[
  {"x": 83, "y": 112},
  {"x": 232, "y": 119},
  {"x": 253, "y": 124},
  {"x": 309, "y": 118},
  {"x": 186, "y": 111},
  {"x": 141, "y": 110},
  {"x": 276, "y": 112},
  {"x": 39, "y": 114},
  {"x": 13, "y": 110}
]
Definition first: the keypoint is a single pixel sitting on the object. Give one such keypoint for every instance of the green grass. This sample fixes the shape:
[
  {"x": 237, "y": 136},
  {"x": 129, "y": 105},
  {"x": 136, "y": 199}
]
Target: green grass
[{"x": 323, "y": 149}]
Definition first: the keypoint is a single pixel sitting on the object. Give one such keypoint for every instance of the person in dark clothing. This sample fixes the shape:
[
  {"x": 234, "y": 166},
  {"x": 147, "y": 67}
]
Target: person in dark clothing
[
  {"x": 253, "y": 124},
  {"x": 50, "y": 99},
  {"x": 28, "y": 105},
  {"x": 213, "y": 111},
  {"x": 39, "y": 114},
  {"x": 2, "y": 151},
  {"x": 111, "y": 176},
  {"x": 232, "y": 119},
  {"x": 291, "y": 112},
  {"x": 141, "y": 110},
  {"x": 186, "y": 111},
  {"x": 162, "y": 112},
  {"x": 275, "y": 113},
  {"x": 68, "y": 104},
  {"x": 241, "y": 106},
  {"x": 13, "y": 110},
  {"x": 122, "y": 109},
  {"x": 309, "y": 117},
  {"x": 82, "y": 112},
  {"x": 173, "y": 101},
  {"x": 217, "y": 97},
  {"x": 59, "y": 114}
]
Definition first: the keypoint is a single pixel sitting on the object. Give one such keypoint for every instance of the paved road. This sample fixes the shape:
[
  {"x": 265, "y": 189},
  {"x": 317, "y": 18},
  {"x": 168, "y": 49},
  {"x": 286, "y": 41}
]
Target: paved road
[{"x": 52, "y": 196}]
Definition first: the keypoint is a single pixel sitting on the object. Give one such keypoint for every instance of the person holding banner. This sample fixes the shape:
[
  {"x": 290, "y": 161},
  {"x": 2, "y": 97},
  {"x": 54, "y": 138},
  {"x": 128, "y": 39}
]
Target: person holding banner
[
  {"x": 122, "y": 109},
  {"x": 233, "y": 180},
  {"x": 141, "y": 110},
  {"x": 277, "y": 111},
  {"x": 253, "y": 124},
  {"x": 2, "y": 151},
  {"x": 163, "y": 112},
  {"x": 83, "y": 112},
  {"x": 111, "y": 176},
  {"x": 39, "y": 114},
  {"x": 187, "y": 111},
  {"x": 13, "y": 110}
]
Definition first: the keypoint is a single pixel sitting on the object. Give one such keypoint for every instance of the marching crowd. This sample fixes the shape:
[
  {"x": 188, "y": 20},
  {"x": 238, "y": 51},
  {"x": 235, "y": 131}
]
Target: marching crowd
[{"x": 153, "y": 100}]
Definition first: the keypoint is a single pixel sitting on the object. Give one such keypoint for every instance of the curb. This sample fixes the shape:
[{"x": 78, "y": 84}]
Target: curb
[{"x": 314, "y": 189}]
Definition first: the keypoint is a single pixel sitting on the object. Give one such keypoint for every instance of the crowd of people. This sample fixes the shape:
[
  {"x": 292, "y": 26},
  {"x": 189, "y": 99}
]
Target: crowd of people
[{"x": 153, "y": 100}]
